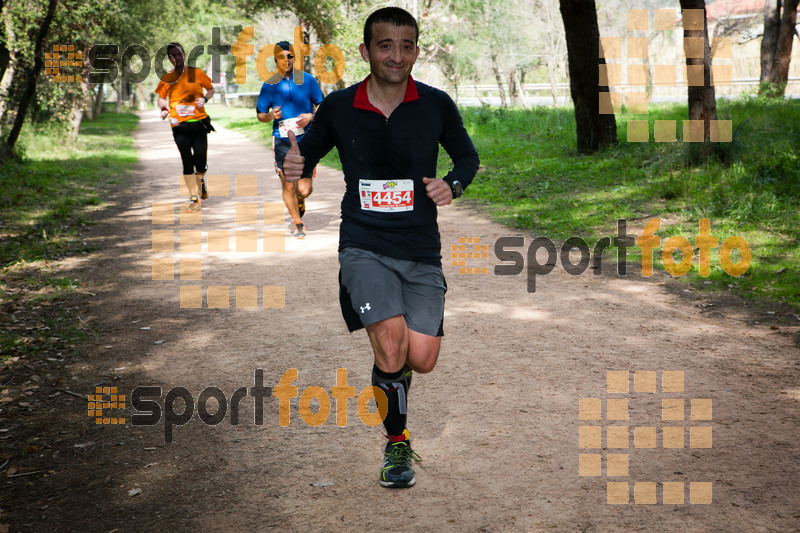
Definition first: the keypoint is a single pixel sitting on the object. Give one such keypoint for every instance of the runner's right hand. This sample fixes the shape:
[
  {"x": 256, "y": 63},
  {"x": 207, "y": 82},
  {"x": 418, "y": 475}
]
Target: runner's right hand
[
  {"x": 293, "y": 163},
  {"x": 277, "y": 113}
]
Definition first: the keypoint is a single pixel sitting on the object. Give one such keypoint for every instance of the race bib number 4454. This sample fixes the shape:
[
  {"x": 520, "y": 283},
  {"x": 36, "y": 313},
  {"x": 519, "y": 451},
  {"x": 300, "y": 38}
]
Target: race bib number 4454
[{"x": 386, "y": 196}]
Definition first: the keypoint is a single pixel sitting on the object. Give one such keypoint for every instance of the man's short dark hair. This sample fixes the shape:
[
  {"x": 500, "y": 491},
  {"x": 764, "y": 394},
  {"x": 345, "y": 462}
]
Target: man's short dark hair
[{"x": 395, "y": 15}]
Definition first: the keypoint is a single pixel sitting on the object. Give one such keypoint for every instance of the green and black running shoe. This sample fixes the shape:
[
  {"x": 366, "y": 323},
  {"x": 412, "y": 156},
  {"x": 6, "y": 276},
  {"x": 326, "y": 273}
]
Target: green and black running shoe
[{"x": 396, "y": 472}]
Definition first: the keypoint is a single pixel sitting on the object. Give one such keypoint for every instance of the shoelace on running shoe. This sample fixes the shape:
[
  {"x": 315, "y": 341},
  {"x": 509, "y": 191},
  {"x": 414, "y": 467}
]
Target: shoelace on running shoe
[{"x": 400, "y": 454}]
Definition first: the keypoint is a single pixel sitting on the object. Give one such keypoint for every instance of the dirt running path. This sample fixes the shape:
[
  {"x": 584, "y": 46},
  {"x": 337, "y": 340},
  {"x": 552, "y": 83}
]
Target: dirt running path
[{"x": 497, "y": 422}]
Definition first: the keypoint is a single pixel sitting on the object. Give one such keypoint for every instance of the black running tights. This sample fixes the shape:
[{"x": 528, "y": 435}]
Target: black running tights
[{"x": 192, "y": 141}]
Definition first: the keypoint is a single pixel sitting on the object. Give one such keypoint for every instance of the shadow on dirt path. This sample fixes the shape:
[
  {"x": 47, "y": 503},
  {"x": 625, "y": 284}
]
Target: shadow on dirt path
[{"x": 497, "y": 422}]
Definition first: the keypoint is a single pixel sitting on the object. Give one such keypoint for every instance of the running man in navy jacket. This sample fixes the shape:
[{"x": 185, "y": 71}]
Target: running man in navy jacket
[{"x": 387, "y": 130}]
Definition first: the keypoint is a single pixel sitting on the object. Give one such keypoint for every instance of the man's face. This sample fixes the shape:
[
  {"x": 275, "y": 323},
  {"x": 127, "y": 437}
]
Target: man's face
[
  {"x": 286, "y": 62},
  {"x": 392, "y": 52},
  {"x": 175, "y": 57}
]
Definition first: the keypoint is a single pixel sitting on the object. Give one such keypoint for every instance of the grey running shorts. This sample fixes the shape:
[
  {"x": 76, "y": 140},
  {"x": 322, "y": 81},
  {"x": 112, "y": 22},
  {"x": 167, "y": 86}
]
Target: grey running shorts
[{"x": 374, "y": 287}]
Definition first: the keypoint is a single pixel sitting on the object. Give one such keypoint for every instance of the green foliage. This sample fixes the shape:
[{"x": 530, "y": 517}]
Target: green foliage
[
  {"x": 78, "y": 23},
  {"x": 532, "y": 179},
  {"x": 45, "y": 207},
  {"x": 47, "y": 197},
  {"x": 456, "y": 57},
  {"x": 320, "y": 15},
  {"x": 349, "y": 33}
]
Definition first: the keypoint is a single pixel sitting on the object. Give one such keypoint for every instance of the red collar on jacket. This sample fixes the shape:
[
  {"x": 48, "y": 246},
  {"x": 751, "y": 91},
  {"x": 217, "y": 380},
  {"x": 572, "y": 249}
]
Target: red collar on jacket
[{"x": 361, "y": 100}]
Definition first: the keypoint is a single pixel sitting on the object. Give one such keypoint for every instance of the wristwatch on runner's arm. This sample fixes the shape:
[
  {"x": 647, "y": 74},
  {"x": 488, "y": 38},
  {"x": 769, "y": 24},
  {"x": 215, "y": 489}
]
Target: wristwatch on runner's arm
[{"x": 456, "y": 187}]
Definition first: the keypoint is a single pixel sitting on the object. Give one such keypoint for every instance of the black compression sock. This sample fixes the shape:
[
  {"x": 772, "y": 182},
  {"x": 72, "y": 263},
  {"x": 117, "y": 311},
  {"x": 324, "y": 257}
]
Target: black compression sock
[{"x": 395, "y": 387}]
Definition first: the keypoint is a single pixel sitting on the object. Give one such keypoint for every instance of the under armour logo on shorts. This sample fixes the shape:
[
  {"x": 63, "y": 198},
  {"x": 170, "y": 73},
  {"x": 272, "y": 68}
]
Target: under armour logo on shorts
[{"x": 365, "y": 307}]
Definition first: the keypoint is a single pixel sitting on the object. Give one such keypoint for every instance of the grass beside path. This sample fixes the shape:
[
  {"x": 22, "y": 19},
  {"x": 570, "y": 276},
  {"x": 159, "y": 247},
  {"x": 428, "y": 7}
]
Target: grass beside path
[
  {"x": 47, "y": 203},
  {"x": 533, "y": 179}
]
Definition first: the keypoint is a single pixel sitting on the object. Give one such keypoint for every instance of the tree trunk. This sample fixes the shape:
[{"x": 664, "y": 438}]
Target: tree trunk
[
  {"x": 81, "y": 107},
  {"x": 30, "y": 88},
  {"x": 98, "y": 100},
  {"x": 119, "y": 87},
  {"x": 702, "y": 99},
  {"x": 88, "y": 99},
  {"x": 553, "y": 48},
  {"x": 769, "y": 42},
  {"x": 783, "y": 54},
  {"x": 499, "y": 78},
  {"x": 7, "y": 80},
  {"x": 552, "y": 72},
  {"x": 143, "y": 101},
  {"x": 5, "y": 53},
  {"x": 75, "y": 118},
  {"x": 583, "y": 54},
  {"x": 522, "y": 98},
  {"x": 513, "y": 88},
  {"x": 5, "y": 59}
]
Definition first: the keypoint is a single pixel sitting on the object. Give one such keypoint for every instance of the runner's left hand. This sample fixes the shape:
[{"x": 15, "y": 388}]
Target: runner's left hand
[
  {"x": 438, "y": 191},
  {"x": 200, "y": 101}
]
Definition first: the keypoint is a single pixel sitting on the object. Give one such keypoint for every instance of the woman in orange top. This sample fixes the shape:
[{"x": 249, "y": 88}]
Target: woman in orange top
[{"x": 183, "y": 87}]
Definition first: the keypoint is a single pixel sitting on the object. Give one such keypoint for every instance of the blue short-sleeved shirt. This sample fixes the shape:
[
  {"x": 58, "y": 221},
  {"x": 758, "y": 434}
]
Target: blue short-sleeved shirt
[{"x": 293, "y": 99}]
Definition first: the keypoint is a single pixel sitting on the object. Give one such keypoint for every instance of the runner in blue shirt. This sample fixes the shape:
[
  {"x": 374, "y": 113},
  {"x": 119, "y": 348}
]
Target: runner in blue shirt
[{"x": 290, "y": 107}]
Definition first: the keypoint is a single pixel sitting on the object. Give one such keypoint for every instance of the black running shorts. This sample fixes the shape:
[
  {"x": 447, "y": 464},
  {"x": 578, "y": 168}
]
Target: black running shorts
[{"x": 280, "y": 147}]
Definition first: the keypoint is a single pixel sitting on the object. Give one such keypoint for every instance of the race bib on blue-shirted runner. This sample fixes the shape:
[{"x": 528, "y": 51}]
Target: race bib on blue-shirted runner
[
  {"x": 290, "y": 124},
  {"x": 386, "y": 196}
]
